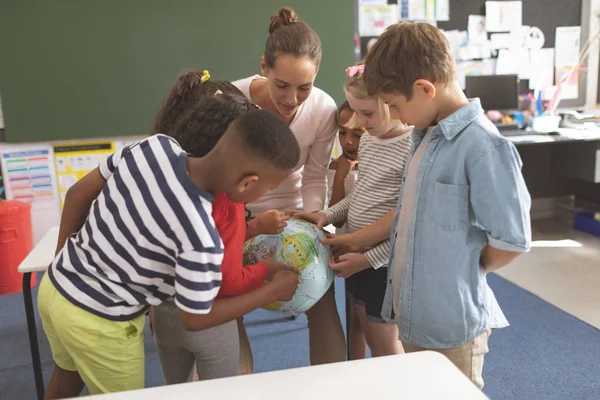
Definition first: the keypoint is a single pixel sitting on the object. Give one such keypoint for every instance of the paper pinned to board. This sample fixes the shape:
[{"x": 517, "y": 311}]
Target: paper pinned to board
[
  {"x": 29, "y": 176},
  {"x": 442, "y": 10},
  {"x": 507, "y": 62},
  {"x": 479, "y": 51},
  {"x": 503, "y": 16},
  {"x": 542, "y": 62},
  {"x": 523, "y": 62},
  {"x": 514, "y": 61},
  {"x": 470, "y": 68},
  {"x": 425, "y": 10},
  {"x": 567, "y": 45},
  {"x": 566, "y": 56},
  {"x": 372, "y": 2},
  {"x": 516, "y": 36},
  {"x": 416, "y": 10},
  {"x": 430, "y": 10},
  {"x": 463, "y": 38},
  {"x": 453, "y": 38},
  {"x": 457, "y": 40},
  {"x": 476, "y": 29},
  {"x": 500, "y": 40},
  {"x": 373, "y": 20}
]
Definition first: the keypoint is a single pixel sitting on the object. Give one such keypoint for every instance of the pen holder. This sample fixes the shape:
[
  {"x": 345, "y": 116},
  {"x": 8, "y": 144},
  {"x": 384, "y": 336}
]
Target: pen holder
[{"x": 546, "y": 123}]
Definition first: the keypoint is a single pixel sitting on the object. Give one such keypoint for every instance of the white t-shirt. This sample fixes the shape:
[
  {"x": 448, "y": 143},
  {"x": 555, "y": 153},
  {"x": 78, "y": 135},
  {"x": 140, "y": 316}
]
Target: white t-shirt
[{"x": 314, "y": 127}]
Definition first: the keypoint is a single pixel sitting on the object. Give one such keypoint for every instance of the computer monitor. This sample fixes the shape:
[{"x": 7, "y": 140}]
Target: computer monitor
[{"x": 496, "y": 92}]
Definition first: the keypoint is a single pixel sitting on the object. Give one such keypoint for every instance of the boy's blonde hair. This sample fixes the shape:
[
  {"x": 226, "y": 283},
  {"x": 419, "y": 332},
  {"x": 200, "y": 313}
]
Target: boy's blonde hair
[
  {"x": 355, "y": 86},
  {"x": 406, "y": 52}
]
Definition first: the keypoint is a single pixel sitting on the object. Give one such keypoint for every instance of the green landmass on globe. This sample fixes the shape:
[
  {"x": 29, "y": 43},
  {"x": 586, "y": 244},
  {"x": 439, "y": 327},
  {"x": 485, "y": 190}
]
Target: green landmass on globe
[{"x": 299, "y": 246}]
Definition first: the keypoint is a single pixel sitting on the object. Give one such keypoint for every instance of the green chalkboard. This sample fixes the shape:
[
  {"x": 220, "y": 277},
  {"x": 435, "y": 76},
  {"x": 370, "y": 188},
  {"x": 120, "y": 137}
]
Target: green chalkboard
[{"x": 72, "y": 69}]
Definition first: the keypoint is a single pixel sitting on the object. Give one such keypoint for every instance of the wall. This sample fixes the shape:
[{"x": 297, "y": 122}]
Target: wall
[{"x": 90, "y": 69}]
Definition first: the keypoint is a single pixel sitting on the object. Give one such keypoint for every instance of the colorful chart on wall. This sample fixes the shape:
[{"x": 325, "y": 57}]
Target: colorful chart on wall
[
  {"x": 29, "y": 176},
  {"x": 74, "y": 160}
]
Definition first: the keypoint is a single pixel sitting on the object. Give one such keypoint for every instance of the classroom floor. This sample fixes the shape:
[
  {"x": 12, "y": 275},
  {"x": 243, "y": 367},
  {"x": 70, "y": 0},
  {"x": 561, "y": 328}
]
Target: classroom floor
[
  {"x": 563, "y": 269},
  {"x": 550, "y": 351}
]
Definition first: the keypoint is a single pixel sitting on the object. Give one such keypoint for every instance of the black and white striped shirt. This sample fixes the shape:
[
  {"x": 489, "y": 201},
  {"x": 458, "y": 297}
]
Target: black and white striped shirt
[
  {"x": 380, "y": 170},
  {"x": 149, "y": 237}
]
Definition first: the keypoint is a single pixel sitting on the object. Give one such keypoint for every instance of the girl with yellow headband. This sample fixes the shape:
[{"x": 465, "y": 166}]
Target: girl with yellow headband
[{"x": 214, "y": 352}]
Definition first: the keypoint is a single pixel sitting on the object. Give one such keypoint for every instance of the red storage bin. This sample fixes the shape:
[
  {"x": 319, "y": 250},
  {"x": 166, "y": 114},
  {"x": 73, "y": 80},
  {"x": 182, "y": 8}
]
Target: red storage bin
[{"x": 16, "y": 241}]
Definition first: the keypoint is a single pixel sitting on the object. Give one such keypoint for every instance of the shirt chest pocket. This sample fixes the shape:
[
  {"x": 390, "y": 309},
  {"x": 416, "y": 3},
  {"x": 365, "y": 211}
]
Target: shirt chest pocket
[{"x": 449, "y": 206}]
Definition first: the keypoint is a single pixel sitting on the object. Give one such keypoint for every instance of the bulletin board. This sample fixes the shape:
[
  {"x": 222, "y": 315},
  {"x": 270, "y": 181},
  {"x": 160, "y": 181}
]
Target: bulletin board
[{"x": 544, "y": 14}]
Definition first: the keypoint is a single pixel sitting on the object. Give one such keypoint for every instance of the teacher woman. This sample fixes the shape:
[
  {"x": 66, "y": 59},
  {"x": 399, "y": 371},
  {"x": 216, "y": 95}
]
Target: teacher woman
[{"x": 289, "y": 66}]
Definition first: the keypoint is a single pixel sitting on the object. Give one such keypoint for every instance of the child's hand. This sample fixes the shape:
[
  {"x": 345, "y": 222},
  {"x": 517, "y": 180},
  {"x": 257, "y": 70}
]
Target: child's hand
[
  {"x": 271, "y": 222},
  {"x": 341, "y": 244},
  {"x": 274, "y": 266},
  {"x": 348, "y": 264},
  {"x": 343, "y": 166},
  {"x": 284, "y": 284},
  {"x": 317, "y": 218},
  {"x": 150, "y": 326}
]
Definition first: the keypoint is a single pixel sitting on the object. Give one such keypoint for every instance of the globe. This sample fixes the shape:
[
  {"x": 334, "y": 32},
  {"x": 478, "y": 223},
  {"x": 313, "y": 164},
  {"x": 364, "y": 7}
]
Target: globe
[{"x": 299, "y": 246}]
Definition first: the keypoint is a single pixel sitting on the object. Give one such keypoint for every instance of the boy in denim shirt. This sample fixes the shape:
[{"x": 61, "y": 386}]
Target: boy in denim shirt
[{"x": 463, "y": 208}]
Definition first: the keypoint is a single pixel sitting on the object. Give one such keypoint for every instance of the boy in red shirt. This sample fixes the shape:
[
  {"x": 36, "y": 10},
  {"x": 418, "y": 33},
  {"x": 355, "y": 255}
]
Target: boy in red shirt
[{"x": 215, "y": 351}]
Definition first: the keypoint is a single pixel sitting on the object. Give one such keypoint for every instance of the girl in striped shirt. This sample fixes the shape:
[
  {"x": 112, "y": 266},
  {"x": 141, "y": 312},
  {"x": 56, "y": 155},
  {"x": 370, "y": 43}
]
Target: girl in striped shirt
[{"x": 382, "y": 153}]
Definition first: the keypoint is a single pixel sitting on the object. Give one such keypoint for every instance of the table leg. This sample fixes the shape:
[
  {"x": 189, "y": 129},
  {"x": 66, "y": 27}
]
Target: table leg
[{"x": 33, "y": 342}]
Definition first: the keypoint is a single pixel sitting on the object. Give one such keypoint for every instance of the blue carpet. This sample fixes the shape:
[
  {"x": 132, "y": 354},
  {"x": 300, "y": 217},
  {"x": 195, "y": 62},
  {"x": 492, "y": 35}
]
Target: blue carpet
[{"x": 545, "y": 354}]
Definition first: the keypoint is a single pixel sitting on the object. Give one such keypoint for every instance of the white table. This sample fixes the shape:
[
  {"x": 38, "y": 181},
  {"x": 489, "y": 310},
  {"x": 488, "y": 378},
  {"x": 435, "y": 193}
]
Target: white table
[
  {"x": 424, "y": 375},
  {"x": 37, "y": 261}
]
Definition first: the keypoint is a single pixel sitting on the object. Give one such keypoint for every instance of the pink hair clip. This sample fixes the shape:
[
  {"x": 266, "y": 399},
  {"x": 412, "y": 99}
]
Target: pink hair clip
[{"x": 355, "y": 69}]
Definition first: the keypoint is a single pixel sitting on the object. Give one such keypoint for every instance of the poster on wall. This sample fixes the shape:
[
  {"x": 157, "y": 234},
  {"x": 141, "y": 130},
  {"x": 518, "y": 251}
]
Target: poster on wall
[
  {"x": 471, "y": 68},
  {"x": 425, "y": 10},
  {"x": 417, "y": 10},
  {"x": 503, "y": 16},
  {"x": 373, "y": 20},
  {"x": 74, "y": 160},
  {"x": 29, "y": 176},
  {"x": 542, "y": 62},
  {"x": 566, "y": 56},
  {"x": 476, "y": 29}
]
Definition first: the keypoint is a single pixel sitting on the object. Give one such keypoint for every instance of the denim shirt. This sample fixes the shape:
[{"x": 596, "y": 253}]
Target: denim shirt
[{"x": 469, "y": 192}]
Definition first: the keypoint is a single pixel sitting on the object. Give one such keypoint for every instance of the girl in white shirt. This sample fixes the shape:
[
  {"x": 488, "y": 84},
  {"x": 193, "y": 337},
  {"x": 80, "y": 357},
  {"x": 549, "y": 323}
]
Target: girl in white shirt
[
  {"x": 341, "y": 178},
  {"x": 342, "y": 172},
  {"x": 289, "y": 68}
]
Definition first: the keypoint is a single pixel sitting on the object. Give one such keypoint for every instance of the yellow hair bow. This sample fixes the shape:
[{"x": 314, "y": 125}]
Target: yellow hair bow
[{"x": 205, "y": 76}]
